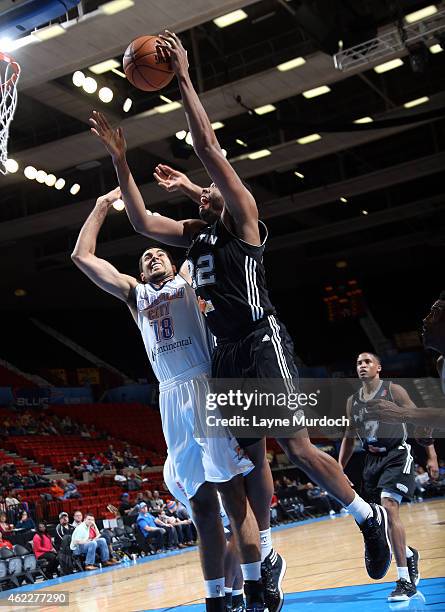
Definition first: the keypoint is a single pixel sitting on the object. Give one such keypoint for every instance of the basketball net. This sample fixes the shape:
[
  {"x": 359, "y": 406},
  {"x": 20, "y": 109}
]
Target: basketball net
[{"x": 9, "y": 76}]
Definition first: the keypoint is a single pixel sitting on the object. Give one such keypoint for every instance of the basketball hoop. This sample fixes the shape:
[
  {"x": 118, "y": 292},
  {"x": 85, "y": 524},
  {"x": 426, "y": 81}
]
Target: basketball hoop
[{"x": 9, "y": 75}]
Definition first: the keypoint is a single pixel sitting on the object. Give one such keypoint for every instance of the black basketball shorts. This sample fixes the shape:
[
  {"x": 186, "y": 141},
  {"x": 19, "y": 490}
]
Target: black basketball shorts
[{"x": 392, "y": 471}]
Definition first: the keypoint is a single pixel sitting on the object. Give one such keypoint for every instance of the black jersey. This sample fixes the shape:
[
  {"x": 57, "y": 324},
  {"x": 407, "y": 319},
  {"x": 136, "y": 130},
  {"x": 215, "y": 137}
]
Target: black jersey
[
  {"x": 228, "y": 273},
  {"x": 384, "y": 436}
]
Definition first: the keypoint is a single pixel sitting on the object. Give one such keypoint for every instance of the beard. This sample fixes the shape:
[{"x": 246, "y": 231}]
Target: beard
[{"x": 209, "y": 216}]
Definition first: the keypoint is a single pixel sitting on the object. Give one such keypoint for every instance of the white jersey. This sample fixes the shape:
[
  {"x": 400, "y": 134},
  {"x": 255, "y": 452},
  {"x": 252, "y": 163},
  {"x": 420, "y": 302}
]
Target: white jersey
[{"x": 172, "y": 327}]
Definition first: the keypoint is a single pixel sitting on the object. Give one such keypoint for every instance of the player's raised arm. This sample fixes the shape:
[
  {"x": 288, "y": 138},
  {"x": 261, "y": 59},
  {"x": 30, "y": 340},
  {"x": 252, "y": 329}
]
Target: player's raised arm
[
  {"x": 238, "y": 200},
  {"x": 100, "y": 271},
  {"x": 169, "y": 231}
]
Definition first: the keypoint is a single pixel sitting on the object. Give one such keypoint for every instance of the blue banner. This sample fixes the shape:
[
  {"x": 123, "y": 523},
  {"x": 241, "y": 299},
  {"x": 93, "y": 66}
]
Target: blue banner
[
  {"x": 145, "y": 394},
  {"x": 6, "y": 396}
]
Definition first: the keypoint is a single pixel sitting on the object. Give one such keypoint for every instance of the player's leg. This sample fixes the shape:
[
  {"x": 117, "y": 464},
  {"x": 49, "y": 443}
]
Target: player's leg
[{"x": 231, "y": 567}]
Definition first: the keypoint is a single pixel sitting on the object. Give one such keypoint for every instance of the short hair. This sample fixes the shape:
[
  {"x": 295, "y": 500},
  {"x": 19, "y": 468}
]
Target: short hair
[
  {"x": 89, "y": 514},
  {"x": 156, "y": 246},
  {"x": 376, "y": 357}
]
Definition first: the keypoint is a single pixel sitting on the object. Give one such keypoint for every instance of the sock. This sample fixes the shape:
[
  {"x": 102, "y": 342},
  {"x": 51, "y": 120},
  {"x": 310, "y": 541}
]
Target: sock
[
  {"x": 214, "y": 588},
  {"x": 237, "y": 598},
  {"x": 409, "y": 553},
  {"x": 359, "y": 509},
  {"x": 251, "y": 571},
  {"x": 237, "y": 592},
  {"x": 266, "y": 543},
  {"x": 228, "y": 597},
  {"x": 402, "y": 572},
  {"x": 254, "y": 592}
]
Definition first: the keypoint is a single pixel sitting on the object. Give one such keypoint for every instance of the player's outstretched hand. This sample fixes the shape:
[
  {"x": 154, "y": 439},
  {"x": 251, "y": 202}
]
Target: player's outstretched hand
[
  {"x": 109, "y": 198},
  {"x": 385, "y": 411},
  {"x": 169, "y": 179},
  {"x": 112, "y": 138},
  {"x": 173, "y": 51}
]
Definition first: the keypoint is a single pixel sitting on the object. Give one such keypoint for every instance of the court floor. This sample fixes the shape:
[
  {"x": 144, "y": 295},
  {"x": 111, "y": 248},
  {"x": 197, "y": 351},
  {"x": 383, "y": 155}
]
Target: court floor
[{"x": 325, "y": 572}]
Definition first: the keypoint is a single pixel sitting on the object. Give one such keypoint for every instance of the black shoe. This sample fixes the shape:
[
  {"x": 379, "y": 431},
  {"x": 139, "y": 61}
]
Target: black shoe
[
  {"x": 254, "y": 596},
  {"x": 238, "y": 603},
  {"x": 273, "y": 569},
  {"x": 240, "y": 608},
  {"x": 377, "y": 544},
  {"x": 413, "y": 566},
  {"x": 404, "y": 590}
]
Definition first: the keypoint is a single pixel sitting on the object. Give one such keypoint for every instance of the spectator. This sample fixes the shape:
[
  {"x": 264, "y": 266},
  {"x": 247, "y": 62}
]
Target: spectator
[
  {"x": 69, "y": 490},
  {"x": 182, "y": 526},
  {"x": 422, "y": 481},
  {"x": 147, "y": 525},
  {"x": 63, "y": 529},
  {"x": 109, "y": 454},
  {"x": 132, "y": 483},
  {"x": 5, "y": 543},
  {"x": 56, "y": 491},
  {"x": 125, "y": 509},
  {"x": 274, "y": 509},
  {"x": 120, "y": 479},
  {"x": 5, "y": 527},
  {"x": 25, "y": 521},
  {"x": 44, "y": 549},
  {"x": 10, "y": 500},
  {"x": 86, "y": 540},
  {"x": 157, "y": 502},
  {"x": 77, "y": 518}
]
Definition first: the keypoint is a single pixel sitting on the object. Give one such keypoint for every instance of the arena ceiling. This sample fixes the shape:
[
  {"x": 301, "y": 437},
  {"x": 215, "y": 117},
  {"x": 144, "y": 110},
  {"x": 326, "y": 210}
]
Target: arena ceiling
[{"x": 371, "y": 186}]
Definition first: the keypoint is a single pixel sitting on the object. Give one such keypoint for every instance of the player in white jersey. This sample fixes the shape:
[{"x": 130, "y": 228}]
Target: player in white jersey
[{"x": 167, "y": 313}]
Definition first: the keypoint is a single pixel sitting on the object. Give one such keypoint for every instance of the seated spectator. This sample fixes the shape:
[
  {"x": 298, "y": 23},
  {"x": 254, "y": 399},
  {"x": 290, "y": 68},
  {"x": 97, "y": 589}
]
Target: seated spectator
[
  {"x": 10, "y": 500},
  {"x": 63, "y": 529},
  {"x": 422, "y": 481},
  {"x": 5, "y": 543},
  {"x": 109, "y": 454},
  {"x": 120, "y": 479},
  {"x": 5, "y": 526},
  {"x": 96, "y": 464},
  {"x": 126, "y": 509},
  {"x": 132, "y": 483},
  {"x": 77, "y": 469},
  {"x": 171, "y": 532},
  {"x": 44, "y": 549},
  {"x": 274, "y": 509},
  {"x": 70, "y": 490},
  {"x": 157, "y": 501},
  {"x": 77, "y": 518},
  {"x": 25, "y": 521},
  {"x": 146, "y": 523},
  {"x": 56, "y": 491},
  {"x": 183, "y": 526},
  {"x": 87, "y": 540}
]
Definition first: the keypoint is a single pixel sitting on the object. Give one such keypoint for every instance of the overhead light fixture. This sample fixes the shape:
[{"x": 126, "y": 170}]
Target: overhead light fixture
[
  {"x": 181, "y": 134},
  {"x": 436, "y": 48},
  {"x": 344, "y": 200},
  {"x": 165, "y": 99},
  {"x": 189, "y": 139},
  {"x": 50, "y": 32},
  {"x": 59, "y": 184},
  {"x": 30, "y": 172},
  {"x": 105, "y": 94},
  {"x": 50, "y": 180},
  {"x": 104, "y": 66},
  {"x": 217, "y": 125},
  {"x": 115, "y": 6},
  {"x": 259, "y": 154},
  {"x": 75, "y": 189},
  {"x": 308, "y": 139},
  {"x": 41, "y": 176},
  {"x": 167, "y": 108},
  {"x": 317, "y": 91},
  {"x": 395, "y": 63},
  {"x": 416, "y": 102},
  {"x": 364, "y": 120},
  {"x": 299, "y": 174},
  {"x": 365, "y": 212},
  {"x": 262, "y": 110},
  {"x": 20, "y": 292},
  {"x": 78, "y": 78},
  {"x": 230, "y": 18},
  {"x": 119, "y": 73},
  {"x": 89, "y": 85},
  {"x": 240, "y": 142},
  {"x": 291, "y": 64},
  {"x": 118, "y": 205},
  {"x": 421, "y": 14},
  {"x": 11, "y": 165},
  {"x": 127, "y": 105},
  {"x": 8, "y": 45}
]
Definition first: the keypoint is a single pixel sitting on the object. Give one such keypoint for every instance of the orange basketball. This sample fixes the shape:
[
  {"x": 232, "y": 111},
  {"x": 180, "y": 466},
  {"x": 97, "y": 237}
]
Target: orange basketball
[{"x": 144, "y": 67}]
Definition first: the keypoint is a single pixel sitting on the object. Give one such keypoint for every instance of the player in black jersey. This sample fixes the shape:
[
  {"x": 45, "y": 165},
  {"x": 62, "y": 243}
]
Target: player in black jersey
[
  {"x": 226, "y": 248},
  {"x": 388, "y": 473}
]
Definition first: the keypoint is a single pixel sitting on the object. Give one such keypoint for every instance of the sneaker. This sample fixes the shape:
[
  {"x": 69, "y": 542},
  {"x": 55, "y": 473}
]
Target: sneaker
[
  {"x": 404, "y": 590},
  {"x": 253, "y": 591},
  {"x": 377, "y": 544},
  {"x": 239, "y": 608},
  {"x": 90, "y": 568},
  {"x": 413, "y": 566},
  {"x": 273, "y": 569}
]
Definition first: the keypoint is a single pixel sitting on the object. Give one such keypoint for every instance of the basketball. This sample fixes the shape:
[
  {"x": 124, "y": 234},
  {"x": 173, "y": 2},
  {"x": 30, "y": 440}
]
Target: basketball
[{"x": 144, "y": 67}]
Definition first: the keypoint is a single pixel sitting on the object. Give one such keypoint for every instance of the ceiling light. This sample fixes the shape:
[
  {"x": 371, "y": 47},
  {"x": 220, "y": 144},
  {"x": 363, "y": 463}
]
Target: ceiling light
[
  {"x": 421, "y": 14},
  {"x": 127, "y": 105},
  {"x": 75, "y": 189},
  {"x": 115, "y": 6},
  {"x": 11, "y": 165},
  {"x": 262, "y": 110},
  {"x": 317, "y": 91},
  {"x": 50, "y": 32},
  {"x": 20, "y": 293},
  {"x": 181, "y": 134},
  {"x": 167, "y": 108},
  {"x": 308, "y": 139},
  {"x": 299, "y": 174},
  {"x": 364, "y": 212},
  {"x": 30, "y": 172},
  {"x": 395, "y": 63},
  {"x": 436, "y": 48},
  {"x": 104, "y": 66},
  {"x": 105, "y": 94},
  {"x": 50, "y": 180},
  {"x": 59, "y": 184},
  {"x": 8, "y": 45},
  {"x": 119, "y": 73},
  {"x": 118, "y": 205},
  {"x": 217, "y": 125},
  {"x": 89, "y": 85},
  {"x": 240, "y": 142},
  {"x": 364, "y": 120},
  {"x": 165, "y": 99},
  {"x": 344, "y": 200},
  {"x": 230, "y": 18},
  {"x": 291, "y": 64},
  {"x": 78, "y": 78},
  {"x": 189, "y": 139},
  {"x": 341, "y": 264},
  {"x": 416, "y": 102},
  {"x": 259, "y": 154},
  {"x": 41, "y": 176}
]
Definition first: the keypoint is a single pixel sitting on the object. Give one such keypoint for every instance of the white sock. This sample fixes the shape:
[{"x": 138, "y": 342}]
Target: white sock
[
  {"x": 409, "y": 553},
  {"x": 251, "y": 571},
  {"x": 359, "y": 509},
  {"x": 402, "y": 572},
  {"x": 214, "y": 588},
  {"x": 227, "y": 590},
  {"x": 236, "y": 592},
  {"x": 266, "y": 542}
]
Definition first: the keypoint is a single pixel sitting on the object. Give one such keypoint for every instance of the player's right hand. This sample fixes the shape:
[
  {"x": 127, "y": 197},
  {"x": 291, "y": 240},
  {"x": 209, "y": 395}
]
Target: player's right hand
[
  {"x": 169, "y": 179},
  {"x": 112, "y": 138},
  {"x": 109, "y": 198}
]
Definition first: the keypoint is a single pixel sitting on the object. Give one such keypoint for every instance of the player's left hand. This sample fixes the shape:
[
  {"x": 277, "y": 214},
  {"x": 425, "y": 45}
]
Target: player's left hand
[
  {"x": 173, "y": 50},
  {"x": 112, "y": 138},
  {"x": 432, "y": 468}
]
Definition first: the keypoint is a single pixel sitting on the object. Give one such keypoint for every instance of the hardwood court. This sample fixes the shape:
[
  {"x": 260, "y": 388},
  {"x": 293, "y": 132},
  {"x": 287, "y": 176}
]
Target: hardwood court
[{"x": 322, "y": 554}]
